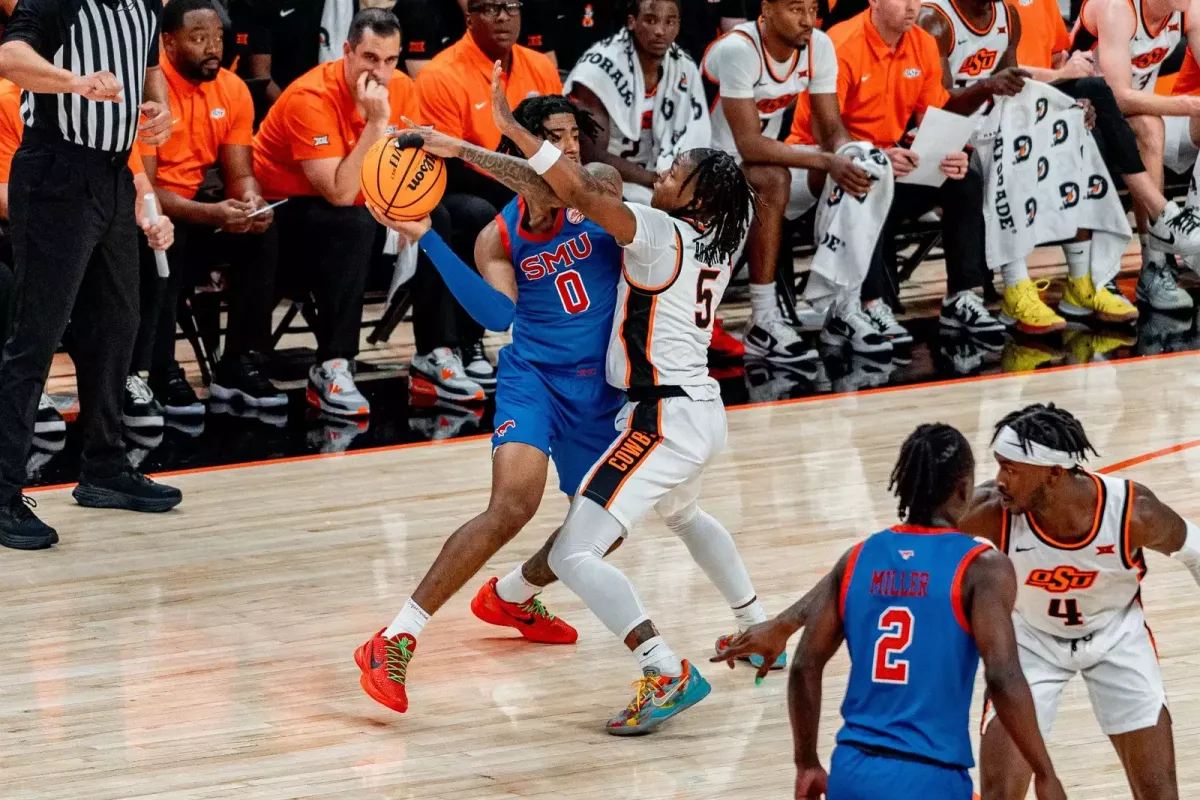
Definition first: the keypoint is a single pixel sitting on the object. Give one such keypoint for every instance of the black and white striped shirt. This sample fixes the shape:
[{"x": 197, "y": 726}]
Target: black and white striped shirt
[{"x": 86, "y": 36}]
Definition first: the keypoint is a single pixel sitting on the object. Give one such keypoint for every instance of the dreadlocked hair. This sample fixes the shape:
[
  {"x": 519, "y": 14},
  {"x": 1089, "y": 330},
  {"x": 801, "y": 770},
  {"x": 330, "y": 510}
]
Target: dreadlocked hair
[
  {"x": 932, "y": 463},
  {"x": 1050, "y": 426},
  {"x": 533, "y": 113},
  {"x": 722, "y": 202}
]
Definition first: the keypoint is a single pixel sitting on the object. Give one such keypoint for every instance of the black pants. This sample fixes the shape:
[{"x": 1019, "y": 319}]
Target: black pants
[
  {"x": 469, "y": 215},
  {"x": 437, "y": 316},
  {"x": 251, "y": 291},
  {"x": 961, "y": 202},
  {"x": 7, "y": 281},
  {"x": 74, "y": 238},
  {"x": 1115, "y": 139}
]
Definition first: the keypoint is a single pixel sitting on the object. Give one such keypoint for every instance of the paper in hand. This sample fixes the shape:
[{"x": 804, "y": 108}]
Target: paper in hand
[{"x": 941, "y": 133}]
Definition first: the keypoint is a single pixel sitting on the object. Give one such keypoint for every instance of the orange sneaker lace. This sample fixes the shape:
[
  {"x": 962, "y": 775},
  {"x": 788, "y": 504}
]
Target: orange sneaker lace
[
  {"x": 644, "y": 687},
  {"x": 535, "y": 607},
  {"x": 397, "y": 654}
]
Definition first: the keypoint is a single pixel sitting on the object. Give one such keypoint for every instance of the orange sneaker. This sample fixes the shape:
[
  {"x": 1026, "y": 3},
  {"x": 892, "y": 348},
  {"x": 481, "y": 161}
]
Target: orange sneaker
[
  {"x": 384, "y": 665},
  {"x": 531, "y": 618},
  {"x": 724, "y": 345}
]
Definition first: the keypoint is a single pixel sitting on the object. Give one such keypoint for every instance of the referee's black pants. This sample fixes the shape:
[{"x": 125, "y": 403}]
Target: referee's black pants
[{"x": 74, "y": 239}]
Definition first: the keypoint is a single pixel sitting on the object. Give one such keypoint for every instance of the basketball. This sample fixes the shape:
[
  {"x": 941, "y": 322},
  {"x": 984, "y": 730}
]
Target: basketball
[{"x": 401, "y": 180}]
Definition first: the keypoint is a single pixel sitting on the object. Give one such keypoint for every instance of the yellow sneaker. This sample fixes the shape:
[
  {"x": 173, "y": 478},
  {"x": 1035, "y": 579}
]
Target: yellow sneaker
[
  {"x": 1025, "y": 357},
  {"x": 1081, "y": 298},
  {"x": 1086, "y": 346},
  {"x": 1022, "y": 306}
]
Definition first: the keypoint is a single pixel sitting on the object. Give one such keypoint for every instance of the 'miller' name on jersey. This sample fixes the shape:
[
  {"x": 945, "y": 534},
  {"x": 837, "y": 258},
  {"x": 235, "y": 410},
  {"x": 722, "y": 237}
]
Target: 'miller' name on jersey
[{"x": 899, "y": 583}]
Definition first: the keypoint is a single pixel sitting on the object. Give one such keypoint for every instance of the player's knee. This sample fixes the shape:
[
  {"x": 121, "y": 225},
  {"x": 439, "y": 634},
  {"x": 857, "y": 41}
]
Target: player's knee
[
  {"x": 512, "y": 512},
  {"x": 773, "y": 184},
  {"x": 681, "y": 521},
  {"x": 567, "y": 555}
]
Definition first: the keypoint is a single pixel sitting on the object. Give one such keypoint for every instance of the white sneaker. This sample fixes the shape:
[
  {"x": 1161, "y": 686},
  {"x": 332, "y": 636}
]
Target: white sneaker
[
  {"x": 857, "y": 330},
  {"x": 478, "y": 368},
  {"x": 442, "y": 374},
  {"x": 1175, "y": 231},
  {"x": 880, "y": 315},
  {"x": 1157, "y": 287},
  {"x": 965, "y": 311},
  {"x": 776, "y": 341},
  {"x": 331, "y": 388}
]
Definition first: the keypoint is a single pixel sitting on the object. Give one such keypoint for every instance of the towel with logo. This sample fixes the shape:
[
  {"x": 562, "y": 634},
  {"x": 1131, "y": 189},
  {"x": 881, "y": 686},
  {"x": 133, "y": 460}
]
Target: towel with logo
[
  {"x": 1044, "y": 180},
  {"x": 847, "y": 229},
  {"x": 610, "y": 68}
]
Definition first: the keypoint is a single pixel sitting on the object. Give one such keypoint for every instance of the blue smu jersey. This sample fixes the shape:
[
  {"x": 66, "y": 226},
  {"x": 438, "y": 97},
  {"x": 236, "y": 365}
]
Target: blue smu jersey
[
  {"x": 913, "y": 659},
  {"x": 566, "y": 288}
]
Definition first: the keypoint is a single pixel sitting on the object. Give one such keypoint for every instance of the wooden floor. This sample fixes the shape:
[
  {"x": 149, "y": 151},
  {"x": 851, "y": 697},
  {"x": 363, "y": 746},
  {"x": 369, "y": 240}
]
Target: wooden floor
[{"x": 207, "y": 653}]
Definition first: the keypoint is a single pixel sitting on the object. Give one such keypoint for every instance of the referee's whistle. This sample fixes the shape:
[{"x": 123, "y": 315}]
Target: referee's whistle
[{"x": 160, "y": 258}]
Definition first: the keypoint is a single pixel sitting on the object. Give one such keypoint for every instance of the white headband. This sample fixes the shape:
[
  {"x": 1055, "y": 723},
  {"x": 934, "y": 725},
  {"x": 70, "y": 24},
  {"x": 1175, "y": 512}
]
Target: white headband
[{"x": 1008, "y": 445}]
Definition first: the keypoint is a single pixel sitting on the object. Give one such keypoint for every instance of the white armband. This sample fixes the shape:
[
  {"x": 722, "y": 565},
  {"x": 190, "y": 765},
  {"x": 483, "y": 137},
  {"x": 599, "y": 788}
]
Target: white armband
[
  {"x": 1189, "y": 554},
  {"x": 545, "y": 158}
]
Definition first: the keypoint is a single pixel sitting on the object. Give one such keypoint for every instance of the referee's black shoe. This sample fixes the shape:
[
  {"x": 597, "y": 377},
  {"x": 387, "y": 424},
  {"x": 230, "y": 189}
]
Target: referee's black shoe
[
  {"x": 130, "y": 490},
  {"x": 20, "y": 528}
]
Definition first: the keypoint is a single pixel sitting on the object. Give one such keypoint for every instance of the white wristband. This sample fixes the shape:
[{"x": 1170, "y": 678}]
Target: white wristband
[{"x": 545, "y": 158}]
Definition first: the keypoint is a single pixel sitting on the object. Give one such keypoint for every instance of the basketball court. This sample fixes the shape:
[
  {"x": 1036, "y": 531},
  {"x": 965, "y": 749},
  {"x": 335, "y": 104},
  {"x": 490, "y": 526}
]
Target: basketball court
[{"x": 207, "y": 653}]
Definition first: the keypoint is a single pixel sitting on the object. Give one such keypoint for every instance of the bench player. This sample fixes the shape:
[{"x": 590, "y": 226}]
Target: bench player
[
  {"x": 677, "y": 261},
  {"x": 1076, "y": 540},
  {"x": 918, "y": 606}
]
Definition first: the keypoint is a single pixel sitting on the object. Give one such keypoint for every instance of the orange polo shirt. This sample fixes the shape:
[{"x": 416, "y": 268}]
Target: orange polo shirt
[
  {"x": 879, "y": 89},
  {"x": 1187, "y": 80},
  {"x": 1043, "y": 33},
  {"x": 316, "y": 118},
  {"x": 456, "y": 89},
  {"x": 207, "y": 115},
  {"x": 12, "y": 130}
]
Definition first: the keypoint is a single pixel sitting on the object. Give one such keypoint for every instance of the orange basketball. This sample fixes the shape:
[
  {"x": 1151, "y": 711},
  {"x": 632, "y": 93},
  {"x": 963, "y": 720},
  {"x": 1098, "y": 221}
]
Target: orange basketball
[{"x": 402, "y": 181}]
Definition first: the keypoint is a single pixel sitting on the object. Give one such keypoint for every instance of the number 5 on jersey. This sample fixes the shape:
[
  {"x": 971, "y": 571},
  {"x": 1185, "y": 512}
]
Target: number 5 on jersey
[{"x": 896, "y": 625}]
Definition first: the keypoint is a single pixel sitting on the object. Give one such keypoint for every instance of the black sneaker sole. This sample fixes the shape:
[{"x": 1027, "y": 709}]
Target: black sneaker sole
[
  {"x": 195, "y": 409},
  {"x": 98, "y": 497},
  {"x": 29, "y": 542}
]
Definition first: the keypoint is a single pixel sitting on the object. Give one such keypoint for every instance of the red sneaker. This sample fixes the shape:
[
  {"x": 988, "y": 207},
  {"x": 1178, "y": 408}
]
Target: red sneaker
[
  {"x": 532, "y": 619},
  {"x": 384, "y": 665},
  {"x": 724, "y": 345}
]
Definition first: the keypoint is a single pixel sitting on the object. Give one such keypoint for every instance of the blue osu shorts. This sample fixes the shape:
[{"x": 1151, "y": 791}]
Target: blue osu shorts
[
  {"x": 855, "y": 775},
  {"x": 569, "y": 413}
]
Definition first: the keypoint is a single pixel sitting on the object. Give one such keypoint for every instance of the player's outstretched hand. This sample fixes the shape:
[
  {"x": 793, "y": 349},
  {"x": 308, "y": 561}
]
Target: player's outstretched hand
[
  {"x": 767, "y": 639},
  {"x": 811, "y": 783},
  {"x": 501, "y": 112},
  {"x": 1049, "y": 787},
  {"x": 411, "y": 231}
]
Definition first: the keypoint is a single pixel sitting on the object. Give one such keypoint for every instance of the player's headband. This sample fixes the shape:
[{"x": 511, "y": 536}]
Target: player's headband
[{"x": 1008, "y": 445}]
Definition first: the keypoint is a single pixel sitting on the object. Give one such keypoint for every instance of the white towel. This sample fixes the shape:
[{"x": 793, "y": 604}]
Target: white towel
[
  {"x": 1045, "y": 181},
  {"x": 335, "y": 27},
  {"x": 847, "y": 230},
  {"x": 610, "y": 68}
]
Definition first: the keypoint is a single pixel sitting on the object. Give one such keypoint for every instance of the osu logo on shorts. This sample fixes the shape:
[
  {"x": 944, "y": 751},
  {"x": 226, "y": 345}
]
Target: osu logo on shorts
[{"x": 1061, "y": 579}]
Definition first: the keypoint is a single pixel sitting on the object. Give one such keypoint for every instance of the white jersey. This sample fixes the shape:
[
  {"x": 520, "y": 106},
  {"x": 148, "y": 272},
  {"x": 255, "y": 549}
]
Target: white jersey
[
  {"x": 666, "y": 303},
  {"x": 975, "y": 51},
  {"x": 1147, "y": 49},
  {"x": 738, "y": 67},
  {"x": 1071, "y": 591},
  {"x": 641, "y": 151}
]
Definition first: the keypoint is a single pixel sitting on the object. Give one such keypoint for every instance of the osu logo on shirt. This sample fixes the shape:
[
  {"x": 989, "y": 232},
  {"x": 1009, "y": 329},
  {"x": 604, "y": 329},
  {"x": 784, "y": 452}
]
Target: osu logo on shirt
[
  {"x": 769, "y": 105},
  {"x": 1061, "y": 579},
  {"x": 1147, "y": 60},
  {"x": 979, "y": 62}
]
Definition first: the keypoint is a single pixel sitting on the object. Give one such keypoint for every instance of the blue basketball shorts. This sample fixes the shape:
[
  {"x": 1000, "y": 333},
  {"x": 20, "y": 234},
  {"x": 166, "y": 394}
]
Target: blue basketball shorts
[
  {"x": 854, "y": 775},
  {"x": 568, "y": 413}
]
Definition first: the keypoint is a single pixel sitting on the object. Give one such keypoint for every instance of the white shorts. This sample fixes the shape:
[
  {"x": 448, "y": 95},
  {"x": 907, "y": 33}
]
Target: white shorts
[
  {"x": 1179, "y": 152},
  {"x": 1119, "y": 666},
  {"x": 658, "y": 460}
]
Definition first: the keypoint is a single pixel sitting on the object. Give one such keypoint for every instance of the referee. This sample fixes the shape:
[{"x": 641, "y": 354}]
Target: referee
[{"x": 91, "y": 85}]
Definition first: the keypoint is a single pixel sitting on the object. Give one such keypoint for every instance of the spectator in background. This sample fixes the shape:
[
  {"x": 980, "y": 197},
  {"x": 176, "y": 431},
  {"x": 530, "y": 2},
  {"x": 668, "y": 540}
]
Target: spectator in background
[
  {"x": 247, "y": 50},
  {"x": 582, "y": 23},
  {"x": 455, "y": 97},
  {"x": 215, "y": 116},
  {"x": 428, "y": 27}
]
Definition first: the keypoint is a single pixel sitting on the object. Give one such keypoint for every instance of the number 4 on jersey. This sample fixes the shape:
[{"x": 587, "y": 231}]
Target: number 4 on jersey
[
  {"x": 896, "y": 625},
  {"x": 1066, "y": 610}
]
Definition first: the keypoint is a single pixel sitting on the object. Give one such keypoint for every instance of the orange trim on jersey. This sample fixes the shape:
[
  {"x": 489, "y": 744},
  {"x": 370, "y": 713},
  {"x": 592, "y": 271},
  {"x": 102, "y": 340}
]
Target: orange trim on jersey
[
  {"x": 704, "y": 59},
  {"x": 920, "y": 529},
  {"x": 1101, "y": 497},
  {"x": 1005, "y": 523},
  {"x": 950, "y": 22},
  {"x": 844, "y": 589},
  {"x": 1130, "y": 559},
  {"x": 956, "y": 602},
  {"x": 625, "y": 316},
  {"x": 665, "y": 286},
  {"x": 505, "y": 239},
  {"x": 650, "y": 343},
  {"x": 1141, "y": 14},
  {"x": 971, "y": 27},
  {"x": 532, "y": 236},
  {"x": 766, "y": 57},
  {"x": 1083, "y": 21}
]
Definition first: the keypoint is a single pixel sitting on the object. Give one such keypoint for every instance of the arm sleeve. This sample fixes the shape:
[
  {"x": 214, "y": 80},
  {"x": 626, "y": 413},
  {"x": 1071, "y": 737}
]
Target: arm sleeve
[
  {"x": 733, "y": 64},
  {"x": 655, "y": 236},
  {"x": 824, "y": 79},
  {"x": 35, "y": 23},
  {"x": 438, "y": 105},
  {"x": 487, "y": 306},
  {"x": 312, "y": 128}
]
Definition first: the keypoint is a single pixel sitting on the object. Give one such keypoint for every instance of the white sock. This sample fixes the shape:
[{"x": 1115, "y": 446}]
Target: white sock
[
  {"x": 748, "y": 615},
  {"x": 655, "y": 654},
  {"x": 1151, "y": 258},
  {"x": 513, "y": 588},
  {"x": 1015, "y": 272},
  {"x": 763, "y": 305},
  {"x": 713, "y": 550},
  {"x": 1079, "y": 258},
  {"x": 410, "y": 620}
]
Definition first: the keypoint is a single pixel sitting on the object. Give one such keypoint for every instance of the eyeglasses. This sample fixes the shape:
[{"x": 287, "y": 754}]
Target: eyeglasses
[{"x": 492, "y": 10}]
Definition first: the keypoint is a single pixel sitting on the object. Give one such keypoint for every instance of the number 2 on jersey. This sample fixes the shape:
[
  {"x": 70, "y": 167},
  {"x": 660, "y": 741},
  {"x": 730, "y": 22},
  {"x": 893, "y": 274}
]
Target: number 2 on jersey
[
  {"x": 704, "y": 297},
  {"x": 896, "y": 625},
  {"x": 571, "y": 291}
]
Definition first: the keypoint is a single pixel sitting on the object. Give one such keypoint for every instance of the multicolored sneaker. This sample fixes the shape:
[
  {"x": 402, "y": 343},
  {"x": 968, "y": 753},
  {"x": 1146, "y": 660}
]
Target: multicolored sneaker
[
  {"x": 384, "y": 665},
  {"x": 656, "y": 699},
  {"x": 754, "y": 660},
  {"x": 530, "y": 618}
]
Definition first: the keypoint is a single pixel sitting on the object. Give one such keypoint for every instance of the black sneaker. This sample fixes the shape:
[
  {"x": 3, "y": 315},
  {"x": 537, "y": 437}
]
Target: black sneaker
[
  {"x": 176, "y": 394},
  {"x": 478, "y": 368},
  {"x": 141, "y": 409},
  {"x": 778, "y": 342},
  {"x": 20, "y": 528},
  {"x": 965, "y": 312},
  {"x": 48, "y": 419},
  {"x": 241, "y": 378},
  {"x": 131, "y": 491}
]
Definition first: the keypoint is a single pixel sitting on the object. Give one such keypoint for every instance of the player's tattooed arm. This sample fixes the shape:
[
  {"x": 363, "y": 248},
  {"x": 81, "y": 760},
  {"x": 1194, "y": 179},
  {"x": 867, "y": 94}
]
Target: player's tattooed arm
[{"x": 515, "y": 173}]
